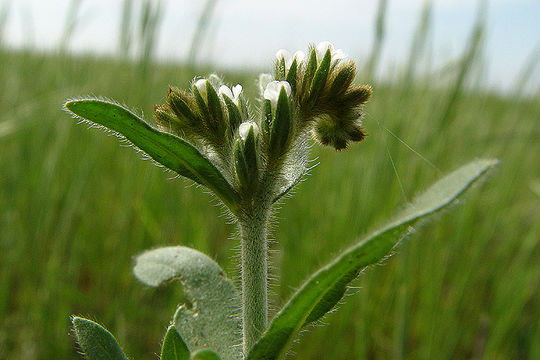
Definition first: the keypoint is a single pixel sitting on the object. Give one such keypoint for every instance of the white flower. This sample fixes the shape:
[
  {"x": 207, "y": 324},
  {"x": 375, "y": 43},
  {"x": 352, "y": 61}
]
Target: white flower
[
  {"x": 245, "y": 127},
  {"x": 234, "y": 95},
  {"x": 201, "y": 87},
  {"x": 324, "y": 46},
  {"x": 284, "y": 54},
  {"x": 274, "y": 88}
]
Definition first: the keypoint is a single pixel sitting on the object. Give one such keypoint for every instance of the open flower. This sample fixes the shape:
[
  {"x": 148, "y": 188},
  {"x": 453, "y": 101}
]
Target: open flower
[
  {"x": 323, "y": 47},
  {"x": 233, "y": 94},
  {"x": 285, "y": 55},
  {"x": 273, "y": 89}
]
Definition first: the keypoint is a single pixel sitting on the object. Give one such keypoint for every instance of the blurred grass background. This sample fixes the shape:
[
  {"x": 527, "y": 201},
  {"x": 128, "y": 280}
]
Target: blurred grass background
[{"x": 75, "y": 207}]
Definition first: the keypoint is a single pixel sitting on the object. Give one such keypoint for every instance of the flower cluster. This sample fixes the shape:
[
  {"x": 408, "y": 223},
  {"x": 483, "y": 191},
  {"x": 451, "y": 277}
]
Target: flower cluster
[
  {"x": 309, "y": 93},
  {"x": 326, "y": 99}
]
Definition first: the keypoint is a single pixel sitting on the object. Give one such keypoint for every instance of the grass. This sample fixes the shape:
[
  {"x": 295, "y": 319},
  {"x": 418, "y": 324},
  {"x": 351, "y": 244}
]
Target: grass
[{"x": 75, "y": 207}]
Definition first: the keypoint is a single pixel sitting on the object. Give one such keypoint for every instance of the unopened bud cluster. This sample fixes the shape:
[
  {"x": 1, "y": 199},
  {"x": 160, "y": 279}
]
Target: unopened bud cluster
[
  {"x": 327, "y": 101},
  {"x": 309, "y": 93}
]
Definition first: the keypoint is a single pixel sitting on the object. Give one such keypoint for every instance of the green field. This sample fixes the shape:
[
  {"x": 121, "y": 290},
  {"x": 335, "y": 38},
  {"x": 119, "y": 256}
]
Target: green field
[{"x": 76, "y": 207}]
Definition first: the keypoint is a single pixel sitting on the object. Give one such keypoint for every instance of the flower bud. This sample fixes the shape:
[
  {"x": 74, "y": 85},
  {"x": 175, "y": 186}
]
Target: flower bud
[
  {"x": 343, "y": 80},
  {"x": 210, "y": 108},
  {"x": 338, "y": 132},
  {"x": 166, "y": 120},
  {"x": 323, "y": 47},
  {"x": 181, "y": 103},
  {"x": 319, "y": 79},
  {"x": 216, "y": 122},
  {"x": 281, "y": 129},
  {"x": 201, "y": 86},
  {"x": 273, "y": 90},
  {"x": 245, "y": 128},
  {"x": 245, "y": 156}
]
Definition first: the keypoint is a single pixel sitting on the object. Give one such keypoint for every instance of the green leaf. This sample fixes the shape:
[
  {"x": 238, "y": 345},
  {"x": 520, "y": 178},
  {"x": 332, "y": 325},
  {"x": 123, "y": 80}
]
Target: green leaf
[
  {"x": 327, "y": 286},
  {"x": 205, "y": 355},
  {"x": 166, "y": 149},
  {"x": 174, "y": 348},
  {"x": 212, "y": 323},
  {"x": 96, "y": 342}
]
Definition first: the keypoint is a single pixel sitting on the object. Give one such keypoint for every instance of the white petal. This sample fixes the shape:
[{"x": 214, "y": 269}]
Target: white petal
[
  {"x": 274, "y": 88},
  {"x": 338, "y": 55},
  {"x": 224, "y": 90},
  {"x": 283, "y": 54},
  {"x": 299, "y": 56},
  {"x": 322, "y": 48},
  {"x": 237, "y": 90},
  {"x": 264, "y": 80},
  {"x": 245, "y": 127}
]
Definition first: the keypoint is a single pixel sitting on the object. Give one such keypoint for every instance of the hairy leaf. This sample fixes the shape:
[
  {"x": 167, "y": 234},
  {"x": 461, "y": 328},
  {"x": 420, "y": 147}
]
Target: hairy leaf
[
  {"x": 212, "y": 322},
  {"x": 174, "y": 348},
  {"x": 205, "y": 355},
  {"x": 166, "y": 149},
  {"x": 327, "y": 286},
  {"x": 96, "y": 342}
]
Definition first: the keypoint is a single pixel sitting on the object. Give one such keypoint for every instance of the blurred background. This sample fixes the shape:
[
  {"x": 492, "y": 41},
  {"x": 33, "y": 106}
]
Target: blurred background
[{"x": 453, "y": 80}]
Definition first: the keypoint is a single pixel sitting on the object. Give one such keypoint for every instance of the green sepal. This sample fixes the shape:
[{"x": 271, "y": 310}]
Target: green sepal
[
  {"x": 358, "y": 95},
  {"x": 174, "y": 348},
  {"x": 96, "y": 342},
  {"x": 203, "y": 107},
  {"x": 245, "y": 159},
  {"x": 235, "y": 117},
  {"x": 168, "y": 150},
  {"x": 311, "y": 67},
  {"x": 281, "y": 126},
  {"x": 215, "y": 110},
  {"x": 319, "y": 80},
  {"x": 205, "y": 355},
  {"x": 280, "y": 69},
  {"x": 291, "y": 75},
  {"x": 240, "y": 165},
  {"x": 215, "y": 80},
  {"x": 327, "y": 286},
  {"x": 343, "y": 80},
  {"x": 266, "y": 121},
  {"x": 165, "y": 119},
  {"x": 179, "y": 102}
]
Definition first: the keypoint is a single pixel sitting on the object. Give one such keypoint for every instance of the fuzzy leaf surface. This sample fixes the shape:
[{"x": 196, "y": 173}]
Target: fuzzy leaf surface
[
  {"x": 327, "y": 286},
  {"x": 96, "y": 341},
  {"x": 174, "y": 348},
  {"x": 205, "y": 355},
  {"x": 166, "y": 149},
  {"x": 212, "y": 322}
]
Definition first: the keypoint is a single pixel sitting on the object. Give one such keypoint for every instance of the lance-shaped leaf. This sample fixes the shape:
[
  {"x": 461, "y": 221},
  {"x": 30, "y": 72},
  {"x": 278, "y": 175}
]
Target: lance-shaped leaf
[
  {"x": 212, "y": 322},
  {"x": 327, "y": 286},
  {"x": 166, "y": 149},
  {"x": 174, "y": 348},
  {"x": 95, "y": 341}
]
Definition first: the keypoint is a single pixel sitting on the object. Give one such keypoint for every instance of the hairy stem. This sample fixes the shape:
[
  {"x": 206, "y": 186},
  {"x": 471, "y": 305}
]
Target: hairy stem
[{"x": 254, "y": 248}]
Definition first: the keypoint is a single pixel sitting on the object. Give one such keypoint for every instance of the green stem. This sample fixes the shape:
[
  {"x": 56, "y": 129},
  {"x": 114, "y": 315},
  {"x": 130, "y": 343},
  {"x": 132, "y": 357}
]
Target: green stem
[{"x": 254, "y": 248}]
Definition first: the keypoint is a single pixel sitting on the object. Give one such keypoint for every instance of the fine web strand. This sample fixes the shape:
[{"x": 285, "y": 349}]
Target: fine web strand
[
  {"x": 427, "y": 161},
  {"x": 410, "y": 148}
]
